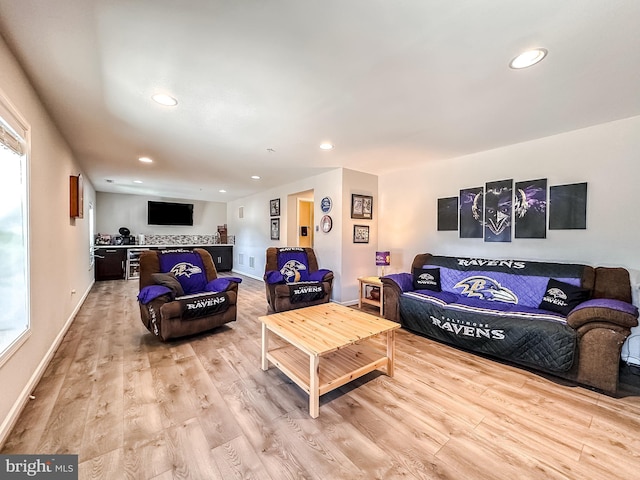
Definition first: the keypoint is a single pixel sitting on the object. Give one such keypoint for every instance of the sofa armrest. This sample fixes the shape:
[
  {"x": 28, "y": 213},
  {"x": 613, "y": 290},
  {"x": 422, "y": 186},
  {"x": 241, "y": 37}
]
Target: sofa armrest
[
  {"x": 272, "y": 277},
  {"x": 394, "y": 286},
  {"x": 603, "y": 310},
  {"x": 322, "y": 275},
  {"x": 602, "y": 326},
  {"x": 152, "y": 292},
  {"x": 404, "y": 281},
  {"x": 223, "y": 284}
]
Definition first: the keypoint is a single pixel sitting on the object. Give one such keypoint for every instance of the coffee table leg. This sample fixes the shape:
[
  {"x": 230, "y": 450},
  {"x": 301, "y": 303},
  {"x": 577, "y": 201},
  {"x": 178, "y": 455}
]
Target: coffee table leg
[
  {"x": 265, "y": 347},
  {"x": 314, "y": 393},
  {"x": 391, "y": 344}
]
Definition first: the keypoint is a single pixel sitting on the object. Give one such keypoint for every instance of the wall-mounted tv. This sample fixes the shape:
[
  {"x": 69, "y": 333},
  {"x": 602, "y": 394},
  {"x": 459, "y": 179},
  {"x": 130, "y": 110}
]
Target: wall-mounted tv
[{"x": 167, "y": 213}]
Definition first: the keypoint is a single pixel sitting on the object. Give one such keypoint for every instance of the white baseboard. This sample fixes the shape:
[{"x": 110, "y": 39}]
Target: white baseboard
[
  {"x": 13, "y": 415},
  {"x": 247, "y": 275}
]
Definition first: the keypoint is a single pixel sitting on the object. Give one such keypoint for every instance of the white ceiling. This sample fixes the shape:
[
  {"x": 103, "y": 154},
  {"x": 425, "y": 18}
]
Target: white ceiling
[{"x": 390, "y": 83}]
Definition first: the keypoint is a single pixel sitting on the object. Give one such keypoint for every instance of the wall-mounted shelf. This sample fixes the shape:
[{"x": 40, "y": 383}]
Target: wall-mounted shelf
[{"x": 76, "y": 196}]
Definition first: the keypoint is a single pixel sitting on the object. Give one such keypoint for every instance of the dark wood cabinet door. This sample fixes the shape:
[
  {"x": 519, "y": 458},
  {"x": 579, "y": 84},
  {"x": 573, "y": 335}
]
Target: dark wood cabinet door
[
  {"x": 222, "y": 256},
  {"x": 110, "y": 263}
]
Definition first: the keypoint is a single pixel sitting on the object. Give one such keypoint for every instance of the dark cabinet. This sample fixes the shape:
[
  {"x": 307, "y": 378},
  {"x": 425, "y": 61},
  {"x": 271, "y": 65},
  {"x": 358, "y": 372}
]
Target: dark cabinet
[
  {"x": 110, "y": 263},
  {"x": 222, "y": 256}
]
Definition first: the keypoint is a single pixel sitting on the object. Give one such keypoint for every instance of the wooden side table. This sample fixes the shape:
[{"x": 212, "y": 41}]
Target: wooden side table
[{"x": 365, "y": 296}]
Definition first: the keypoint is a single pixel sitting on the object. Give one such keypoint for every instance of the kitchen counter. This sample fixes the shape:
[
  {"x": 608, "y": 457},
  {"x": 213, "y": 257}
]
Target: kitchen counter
[
  {"x": 114, "y": 262},
  {"x": 167, "y": 246}
]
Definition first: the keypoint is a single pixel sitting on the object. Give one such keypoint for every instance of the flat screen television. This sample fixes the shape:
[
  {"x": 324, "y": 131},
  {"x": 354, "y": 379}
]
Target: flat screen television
[{"x": 168, "y": 213}]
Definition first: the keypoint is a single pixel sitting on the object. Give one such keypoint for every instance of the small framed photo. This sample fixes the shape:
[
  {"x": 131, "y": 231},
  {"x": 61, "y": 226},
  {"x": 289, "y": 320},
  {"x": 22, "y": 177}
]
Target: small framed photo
[
  {"x": 361, "y": 206},
  {"x": 275, "y": 229},
  {"x": 361, "y": 234},
  {"x": 274, "y": 207}
]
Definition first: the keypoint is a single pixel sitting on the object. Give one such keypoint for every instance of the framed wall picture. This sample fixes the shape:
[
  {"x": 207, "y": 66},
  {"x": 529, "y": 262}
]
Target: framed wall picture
[
  {"x": 448, "y": 213},
  {"x": 472, "y": 212},
  {"x": 275, "y": 229},
  {"x": 498, "y": 210},
  {"x": 530, "y": 208},
  {"x": 568, "y": 207},
  {"x": 274, "y": 207},
  {"x": 361, "y": 234},
  {"x": 361, "y": 206}
]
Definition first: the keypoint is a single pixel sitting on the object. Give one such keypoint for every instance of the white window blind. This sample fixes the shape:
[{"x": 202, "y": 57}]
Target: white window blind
[
  {"x": 14, "y": 230},
  {"x": 12, "y": 131}
]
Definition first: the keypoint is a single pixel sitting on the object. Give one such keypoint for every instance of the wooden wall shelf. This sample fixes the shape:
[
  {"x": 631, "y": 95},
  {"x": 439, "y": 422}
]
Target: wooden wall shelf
[{"x": 76, "y": 196}]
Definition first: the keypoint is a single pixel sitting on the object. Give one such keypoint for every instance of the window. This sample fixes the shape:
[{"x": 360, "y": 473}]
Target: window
[
  {"x": 92, "y": 236},
  {"x": 14, "y": 255}
]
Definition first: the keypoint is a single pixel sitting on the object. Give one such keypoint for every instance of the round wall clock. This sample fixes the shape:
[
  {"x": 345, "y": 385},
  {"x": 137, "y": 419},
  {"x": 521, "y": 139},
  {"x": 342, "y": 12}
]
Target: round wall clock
[
  {"x": 326, "y": 204},
  {"x": 326, "y": 224}
]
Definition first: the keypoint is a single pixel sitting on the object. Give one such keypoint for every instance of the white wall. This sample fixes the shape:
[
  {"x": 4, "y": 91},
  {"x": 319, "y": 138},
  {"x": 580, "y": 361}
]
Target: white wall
[
  {"x": 359, "y": 259},
  {"x": 604, "y": 156},
  {"x": 59, "y": 246},
  {"x": 116, "y": 210}
]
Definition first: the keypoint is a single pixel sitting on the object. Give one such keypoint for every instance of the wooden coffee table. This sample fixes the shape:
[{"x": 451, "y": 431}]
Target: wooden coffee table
[{"x": 330, "y": 331}]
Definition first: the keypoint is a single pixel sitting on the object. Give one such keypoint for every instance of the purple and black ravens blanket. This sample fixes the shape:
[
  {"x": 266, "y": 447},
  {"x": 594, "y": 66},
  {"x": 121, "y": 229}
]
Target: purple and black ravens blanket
[
  {"x": 536, "y": 338},
  {"x": 305, "y": 292},
  {"x": 203, "y": 304},
  {"x": 493, "y": 307}
]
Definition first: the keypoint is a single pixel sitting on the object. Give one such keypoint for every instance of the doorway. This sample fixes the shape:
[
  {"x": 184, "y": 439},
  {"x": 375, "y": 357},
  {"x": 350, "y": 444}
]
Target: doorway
[
  {"x": 305, "y": 222},
  {"x": 299, "y": 224}
]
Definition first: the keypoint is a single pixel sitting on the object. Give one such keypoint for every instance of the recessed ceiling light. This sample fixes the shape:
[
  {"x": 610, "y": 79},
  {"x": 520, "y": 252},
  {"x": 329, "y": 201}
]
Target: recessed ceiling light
[
  {"x": 255, "y": 177},
  {"x": 326, "y": 146},
  {"x": 145, "y": 160},
  {"x": 164, "y": 99},
  {"x": 222, "y": 191},
  {"x": 528, "y": 58},
  {"x": 137, "y": 181}
]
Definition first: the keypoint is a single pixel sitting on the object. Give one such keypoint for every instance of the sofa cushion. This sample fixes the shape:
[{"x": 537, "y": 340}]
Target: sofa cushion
[
  {"x": 426, "y": 279},
  {"x": 562, "y": 297},
  {"x": 170, "y": 281}
]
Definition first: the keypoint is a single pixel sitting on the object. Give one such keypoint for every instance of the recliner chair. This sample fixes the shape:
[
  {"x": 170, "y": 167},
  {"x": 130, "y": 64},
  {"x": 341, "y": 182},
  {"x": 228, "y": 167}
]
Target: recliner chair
[
  {"x": 181, "y": 294},
  {"x": 292, "y": 279}
]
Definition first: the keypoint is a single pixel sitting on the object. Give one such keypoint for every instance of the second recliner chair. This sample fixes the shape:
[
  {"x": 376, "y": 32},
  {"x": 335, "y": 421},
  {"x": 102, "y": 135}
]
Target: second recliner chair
[{"x": 293, "y": 280}]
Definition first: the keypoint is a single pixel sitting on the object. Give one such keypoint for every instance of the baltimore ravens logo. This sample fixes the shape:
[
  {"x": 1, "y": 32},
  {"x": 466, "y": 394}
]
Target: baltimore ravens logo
[
  {"x": 425, "y": 277},
  {"x": 556, "y": 293},
  {"x": 290, "y": 270},
  {"x": 185, "y": 269},
  {"x": 486, "y": 288}
]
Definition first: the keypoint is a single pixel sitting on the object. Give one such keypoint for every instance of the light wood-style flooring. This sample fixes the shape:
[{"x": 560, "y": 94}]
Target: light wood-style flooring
[{"x": 132, "y": 407}]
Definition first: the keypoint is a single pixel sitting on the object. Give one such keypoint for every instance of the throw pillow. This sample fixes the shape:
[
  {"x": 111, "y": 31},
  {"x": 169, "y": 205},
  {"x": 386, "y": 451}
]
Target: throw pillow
[
  {"x": 562, "y": 297},
  {"x": 427, "y": 279},
  {"x": 170, "y": 281}
]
